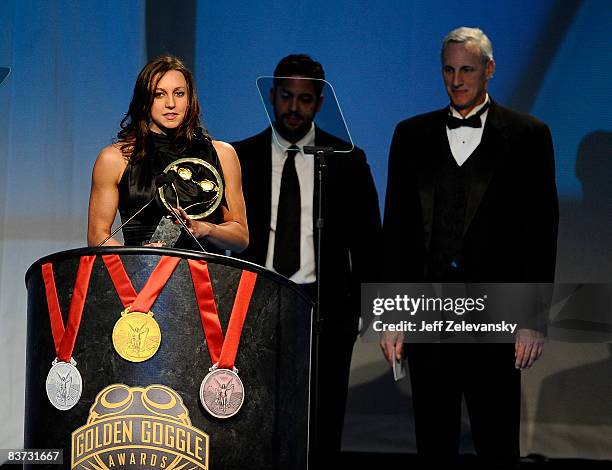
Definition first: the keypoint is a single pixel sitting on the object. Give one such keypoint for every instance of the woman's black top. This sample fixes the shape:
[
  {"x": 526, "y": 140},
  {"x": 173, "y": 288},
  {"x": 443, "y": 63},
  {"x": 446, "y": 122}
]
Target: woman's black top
[{"x": 137, "y": 187}]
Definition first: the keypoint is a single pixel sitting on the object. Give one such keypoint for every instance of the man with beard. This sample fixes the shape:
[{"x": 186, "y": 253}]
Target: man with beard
[{"x": 281, "y": 199}]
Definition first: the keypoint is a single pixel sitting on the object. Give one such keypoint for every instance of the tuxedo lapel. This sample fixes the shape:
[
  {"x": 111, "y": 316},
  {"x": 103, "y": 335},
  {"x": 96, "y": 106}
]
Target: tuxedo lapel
[
  {"x": 492, "y": 147},
  {"x": 426, "y": 194},
  {"x": 426, "y": 173},
  {"x": 261, "y": 186}
]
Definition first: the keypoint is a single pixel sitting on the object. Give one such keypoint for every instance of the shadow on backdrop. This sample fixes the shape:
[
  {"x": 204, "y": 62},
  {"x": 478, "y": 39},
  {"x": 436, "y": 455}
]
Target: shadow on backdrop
[
  {"x": 585, "y": 251},
  {"x": 380, "y": 412},
  {"x": 551, "y": 35},
  {"x": 578, "y": 398}
]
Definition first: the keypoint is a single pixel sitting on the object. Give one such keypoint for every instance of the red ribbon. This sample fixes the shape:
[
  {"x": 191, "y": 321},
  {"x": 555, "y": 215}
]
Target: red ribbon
[
  {"x": 223, "y": 351},
  {"x": 143, "y": 301},
  {"x": 65, "y": 338}
]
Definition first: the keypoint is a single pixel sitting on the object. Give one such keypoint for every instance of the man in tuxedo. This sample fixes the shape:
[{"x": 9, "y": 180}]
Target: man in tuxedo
[
  {"x": 471, "y": 197},
  {"x": 281, "y": 194}
]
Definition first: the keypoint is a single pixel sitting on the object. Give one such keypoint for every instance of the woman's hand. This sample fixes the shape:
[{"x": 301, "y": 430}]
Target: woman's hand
[
  {"x": 198, "y": 228},
  {"x": 232, "y": 232}
]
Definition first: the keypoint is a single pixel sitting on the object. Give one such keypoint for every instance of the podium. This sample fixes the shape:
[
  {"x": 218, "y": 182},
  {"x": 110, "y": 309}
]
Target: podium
[{"x": 148, "y": 414}]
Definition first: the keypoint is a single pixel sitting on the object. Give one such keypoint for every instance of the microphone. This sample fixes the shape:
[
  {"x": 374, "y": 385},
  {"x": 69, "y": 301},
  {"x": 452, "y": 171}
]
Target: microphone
[
  {"x": 161, "y": 180},
  {"x": 168, "y": 178}
]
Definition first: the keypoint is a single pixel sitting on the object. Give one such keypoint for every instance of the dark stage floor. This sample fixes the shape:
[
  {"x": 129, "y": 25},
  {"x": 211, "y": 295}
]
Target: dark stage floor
[
  {"x": 374, "y": 461},
  {"x": 370, "y": 461}
]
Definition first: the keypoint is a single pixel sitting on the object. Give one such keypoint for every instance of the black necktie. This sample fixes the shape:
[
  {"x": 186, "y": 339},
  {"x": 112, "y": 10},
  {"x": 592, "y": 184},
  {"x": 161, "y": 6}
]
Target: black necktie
[
  {"x": 473, "y": 121},
  {"x": 287, "y": 237}
]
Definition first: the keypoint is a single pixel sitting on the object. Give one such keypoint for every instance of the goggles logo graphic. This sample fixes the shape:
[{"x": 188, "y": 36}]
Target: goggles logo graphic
[{"x": 132, "y": 427}]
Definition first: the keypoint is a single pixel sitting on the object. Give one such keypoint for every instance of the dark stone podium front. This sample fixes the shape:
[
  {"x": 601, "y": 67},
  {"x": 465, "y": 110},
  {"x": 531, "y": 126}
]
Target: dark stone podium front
[{"x": 135, "y": 425}]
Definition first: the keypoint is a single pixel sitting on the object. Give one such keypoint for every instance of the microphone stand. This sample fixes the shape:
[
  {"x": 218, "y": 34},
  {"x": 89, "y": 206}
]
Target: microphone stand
[
  {"x": 179, "y": 219},
  {"x": 320, "y": 153},
  {"x": 126, "y": 222},
  {"x": 161, "y": 181}
]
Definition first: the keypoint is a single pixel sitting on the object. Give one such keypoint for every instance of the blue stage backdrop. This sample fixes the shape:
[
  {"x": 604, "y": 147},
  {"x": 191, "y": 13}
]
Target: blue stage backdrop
[
  {"x": 74, "y": 65},
  {"x": 383, "y": 60}
]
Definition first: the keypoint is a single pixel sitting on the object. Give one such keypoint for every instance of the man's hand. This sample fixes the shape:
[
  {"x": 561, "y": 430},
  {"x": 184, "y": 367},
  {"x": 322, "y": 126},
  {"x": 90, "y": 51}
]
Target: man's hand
[
  {"x": 527, "y": 347},
  {"x": 391, "y": 343}
]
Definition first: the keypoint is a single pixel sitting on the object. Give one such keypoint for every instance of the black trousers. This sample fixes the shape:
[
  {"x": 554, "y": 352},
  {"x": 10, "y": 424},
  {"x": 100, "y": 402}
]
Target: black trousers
[
  {"x": 336, "y": 341},
  {"x": 484, "y": 373},
  {"x": 333, "y": 380}
]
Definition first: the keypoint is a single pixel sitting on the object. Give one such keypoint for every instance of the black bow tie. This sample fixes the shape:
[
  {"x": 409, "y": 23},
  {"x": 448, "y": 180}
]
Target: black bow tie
[{"x": 473, "y": 121}]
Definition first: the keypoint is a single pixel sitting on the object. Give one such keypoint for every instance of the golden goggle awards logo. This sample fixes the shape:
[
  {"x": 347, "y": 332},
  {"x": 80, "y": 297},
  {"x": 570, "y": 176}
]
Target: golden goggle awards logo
[{"x": 139, "y": 427}]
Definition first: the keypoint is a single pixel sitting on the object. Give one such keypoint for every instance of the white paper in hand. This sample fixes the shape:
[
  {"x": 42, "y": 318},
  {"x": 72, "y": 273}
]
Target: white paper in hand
[{"x": 399, "y": 368}]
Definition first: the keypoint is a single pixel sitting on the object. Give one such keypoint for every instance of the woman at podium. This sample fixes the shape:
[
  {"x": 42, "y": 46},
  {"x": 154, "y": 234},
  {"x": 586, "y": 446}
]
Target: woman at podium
[{"x": 163, "y": 161}]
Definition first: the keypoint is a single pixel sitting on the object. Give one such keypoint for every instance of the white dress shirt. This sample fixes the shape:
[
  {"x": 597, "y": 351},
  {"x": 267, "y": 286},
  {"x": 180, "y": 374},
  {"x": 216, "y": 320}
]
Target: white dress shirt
[
  {"x": 304, "y": 165},
  {"x": 464, "y": 140}
]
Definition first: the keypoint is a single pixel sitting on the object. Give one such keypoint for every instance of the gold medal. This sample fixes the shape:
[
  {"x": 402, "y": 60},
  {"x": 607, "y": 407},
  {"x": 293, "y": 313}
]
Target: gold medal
[{"x": 136, "y": 336}]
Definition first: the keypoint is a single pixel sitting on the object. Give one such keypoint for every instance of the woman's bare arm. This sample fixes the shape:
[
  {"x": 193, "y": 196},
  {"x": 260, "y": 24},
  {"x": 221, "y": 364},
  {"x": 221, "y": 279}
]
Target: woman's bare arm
[
  {"x": 233, "y": 233},
  {"x": 104, "y": 196}
]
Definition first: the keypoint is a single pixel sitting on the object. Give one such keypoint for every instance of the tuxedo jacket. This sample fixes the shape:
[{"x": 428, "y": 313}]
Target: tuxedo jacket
[
  {"x": 352, "y": 227},
  {"x": 510, "y": 231}
]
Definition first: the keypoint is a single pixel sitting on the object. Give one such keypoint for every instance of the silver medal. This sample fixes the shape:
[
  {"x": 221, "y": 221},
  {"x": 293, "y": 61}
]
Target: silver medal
[
  {"x": 222, "y": 392},
  {"x": 64, "y": 384}
]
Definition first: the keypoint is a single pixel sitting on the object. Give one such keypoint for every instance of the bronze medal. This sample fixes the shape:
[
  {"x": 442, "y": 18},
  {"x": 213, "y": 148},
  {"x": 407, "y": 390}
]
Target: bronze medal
[{"x": 222, "y": 393}]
